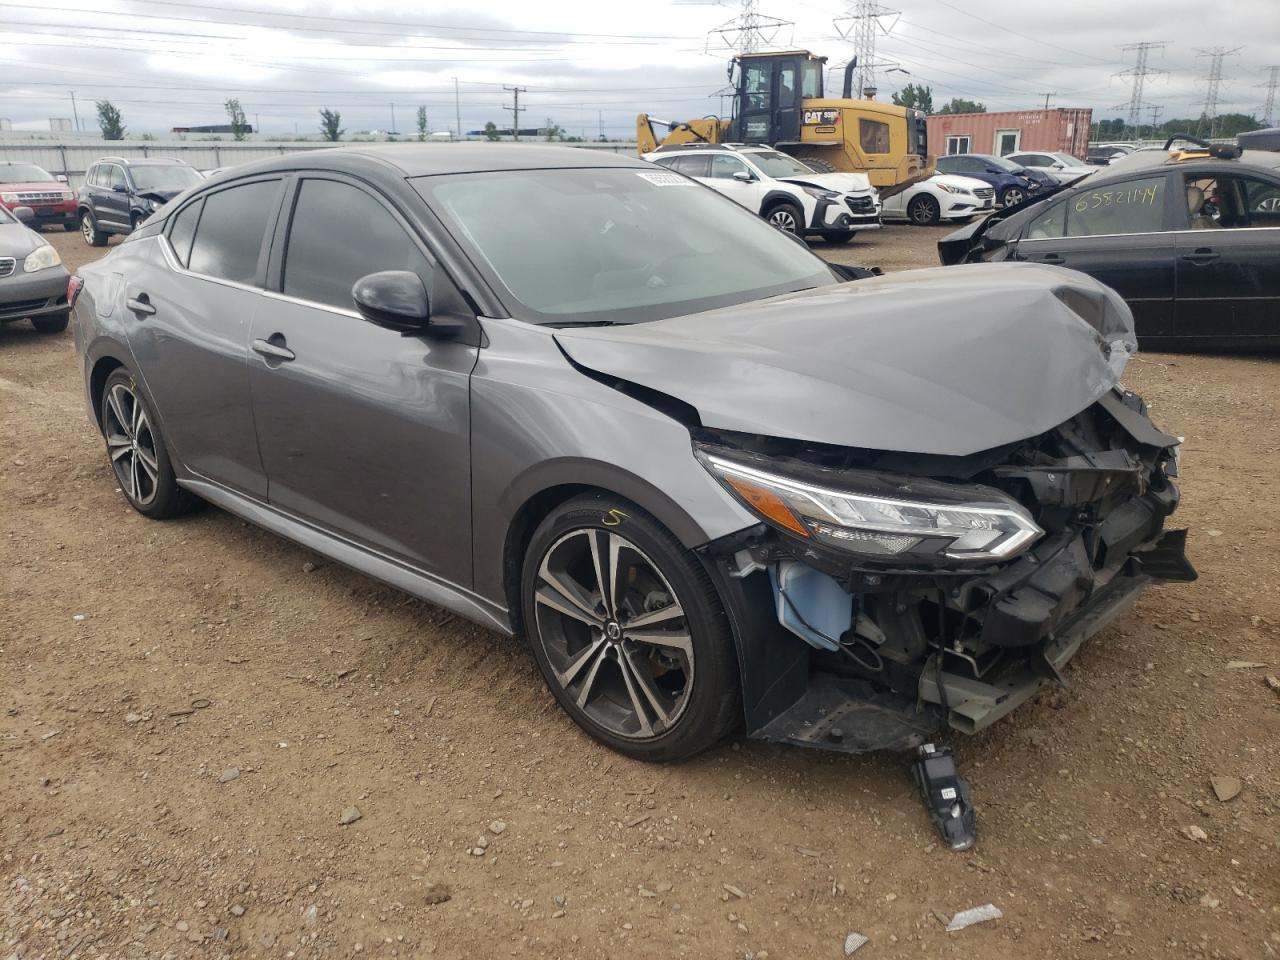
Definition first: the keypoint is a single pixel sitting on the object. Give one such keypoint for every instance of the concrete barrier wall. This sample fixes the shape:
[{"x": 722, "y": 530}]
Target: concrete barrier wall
[{"x": 72, "y": 157}]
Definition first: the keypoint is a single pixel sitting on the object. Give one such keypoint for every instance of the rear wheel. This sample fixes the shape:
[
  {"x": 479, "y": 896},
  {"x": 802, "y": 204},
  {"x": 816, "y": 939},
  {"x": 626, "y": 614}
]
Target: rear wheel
[
  {"x": 1012, "y": 195},
  {"x": 628, "y": 631},
  {"x": 839, "y": 236},
  {"x": 137, "y": 451},
  {"x": 923, "y": 210},
  {"x": 89, "y": 230},
  {"x": 786, "y": 216},
  {"x": 54, "y": 323}
]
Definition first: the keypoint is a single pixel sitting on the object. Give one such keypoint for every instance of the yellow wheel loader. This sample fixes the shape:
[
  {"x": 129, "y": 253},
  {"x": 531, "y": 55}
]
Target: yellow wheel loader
[{"x": 778, "y": 100}]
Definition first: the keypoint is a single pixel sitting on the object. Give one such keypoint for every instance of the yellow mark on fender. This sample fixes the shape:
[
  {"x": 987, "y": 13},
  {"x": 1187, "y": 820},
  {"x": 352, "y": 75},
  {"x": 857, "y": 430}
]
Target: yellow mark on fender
[{"x": 614, "y": 518}]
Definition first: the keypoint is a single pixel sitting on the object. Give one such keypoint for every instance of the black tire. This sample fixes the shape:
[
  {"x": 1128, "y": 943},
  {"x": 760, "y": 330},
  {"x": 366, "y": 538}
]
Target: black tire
[
  {"x": 53, "y": 323},
  {"x": 1011, "y": 195},
  {"x": 136, "y": 221},
  {"x": 818, "y": 165},
  {"x": 89, "y": 230},
  {"x": 71, "y": 227},
  {"x": 787, "y": 217},
  {"x": 924, "y": 211},
  {"x": 158, "y": 498},
  {"x": 707, "y": 694},
  {"x": 839, "y": 236}
]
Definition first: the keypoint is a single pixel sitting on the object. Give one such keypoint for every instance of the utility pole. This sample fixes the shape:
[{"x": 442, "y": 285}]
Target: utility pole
[
  {"x": 457, "y": 108},
  {"x": 257, "y": 127},
  {"x": 750, "y": 31},
  {"x": 1139, "y": 73},
  {"x": 861, "y": 25},
  {"x": 1046, "y": 97},
  {"x": 74, "y": 112},
  {"x": 1269, "y": 108},
  {"x": 1155, "y": 118},
  {"x": 393, "y": 118},
  {"x": 599, "y": 124},
  {"x": 1216, "y": 55},
  {"x": 515, "y": 110}
]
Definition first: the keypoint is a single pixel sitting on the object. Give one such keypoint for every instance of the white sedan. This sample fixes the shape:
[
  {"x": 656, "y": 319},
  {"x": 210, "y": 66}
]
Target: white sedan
[
  {"x": 1063, "y": 167},
  {"x": 944, "y": 197}
]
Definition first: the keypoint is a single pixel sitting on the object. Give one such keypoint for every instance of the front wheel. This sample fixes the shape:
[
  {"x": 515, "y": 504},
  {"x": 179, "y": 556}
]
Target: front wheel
[
  {"x": 923, "y": 211},
  {"x": 137, "y": 451},
  {"x": 54, "y": 323},
  {"x": 787, "y": 217},
  {"x": 628, "y": 631},
  {"x": 1010, "y": 196}
]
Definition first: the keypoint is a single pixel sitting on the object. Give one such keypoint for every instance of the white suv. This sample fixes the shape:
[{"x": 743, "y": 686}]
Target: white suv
[{"x": 783, "y": 190}]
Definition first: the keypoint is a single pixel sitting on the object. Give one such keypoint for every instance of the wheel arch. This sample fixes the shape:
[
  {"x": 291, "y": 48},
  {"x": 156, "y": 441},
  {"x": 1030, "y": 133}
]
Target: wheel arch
[
  {"x": 775, "y": 197},
  {"x": 102, "y": 368}
]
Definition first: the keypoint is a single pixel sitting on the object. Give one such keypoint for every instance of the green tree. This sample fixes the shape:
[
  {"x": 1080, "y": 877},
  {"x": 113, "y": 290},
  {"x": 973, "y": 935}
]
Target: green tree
[
  {"x": 110, "y": 121},
  {"x": 331, "y": 125},
  {"x": 553, "y": 130},
  {"x": 422, "y": 123},
  {"x": 915, "y": 95},
  {"x": 239, "y": 126},
  {"x": 491, "y": 131},
  {"x": 961, "y": 105}
]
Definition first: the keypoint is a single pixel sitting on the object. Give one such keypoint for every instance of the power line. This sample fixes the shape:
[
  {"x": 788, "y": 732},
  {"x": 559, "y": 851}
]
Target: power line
[
  {"x": 1024, "y": 36},
  {"x": 1216, "y": 55},
  {"x": 1046, "y": 97},
  {"x": 1139, "y": 73},
  {"x": 750, "y": 31},
  {"x": 862, "y": 24}
]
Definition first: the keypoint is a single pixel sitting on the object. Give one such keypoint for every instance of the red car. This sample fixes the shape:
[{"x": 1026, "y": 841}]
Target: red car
[{"x": 50, "y": 199}]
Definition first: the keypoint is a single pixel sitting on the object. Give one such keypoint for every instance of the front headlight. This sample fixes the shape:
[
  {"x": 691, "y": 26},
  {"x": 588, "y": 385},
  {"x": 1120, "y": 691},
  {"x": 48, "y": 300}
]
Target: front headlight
[
  {"x": 821, "y": 194},
  {"x": 41, "y": 258},
  {"x": 67, "y": 195},
  {"x": 8, "y": 198},
  {"x": 893, "y": 519},
  {"x": 956, "y": 190}
]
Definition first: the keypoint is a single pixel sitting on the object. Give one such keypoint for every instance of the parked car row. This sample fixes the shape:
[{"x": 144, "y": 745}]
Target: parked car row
[{"x": 33, "y": 283}]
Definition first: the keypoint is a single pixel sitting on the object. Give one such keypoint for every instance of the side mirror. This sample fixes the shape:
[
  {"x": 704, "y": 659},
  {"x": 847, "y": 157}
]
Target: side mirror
[
  {"x": 120, "y": 188},
  {"x": 395, "y": 299},
  {"x": 23, "y": 214},
  {"x": 1059, "y": 166},
  {"x": 743, "y": 176}
]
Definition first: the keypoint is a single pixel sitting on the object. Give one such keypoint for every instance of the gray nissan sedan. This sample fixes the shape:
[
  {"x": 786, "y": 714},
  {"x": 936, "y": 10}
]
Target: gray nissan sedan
[{"x": 587, "y": 401}]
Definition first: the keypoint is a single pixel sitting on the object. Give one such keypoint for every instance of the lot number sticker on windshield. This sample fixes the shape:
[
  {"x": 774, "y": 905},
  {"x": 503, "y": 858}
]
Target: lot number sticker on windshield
[{"x": 663, "y": 179}]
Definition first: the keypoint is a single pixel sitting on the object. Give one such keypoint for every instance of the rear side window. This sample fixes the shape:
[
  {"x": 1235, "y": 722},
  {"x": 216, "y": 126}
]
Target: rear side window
[
  {"x": 694, "y": 166},
  {"x": 229, "y": 237},
  {"x": 873, "y": 136},
  {"x": 338, "y": 235},
  {"x": 182, "y": 231}
]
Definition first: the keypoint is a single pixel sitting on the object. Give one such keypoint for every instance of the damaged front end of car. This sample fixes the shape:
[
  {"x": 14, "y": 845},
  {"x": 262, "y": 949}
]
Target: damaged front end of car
[{"x": 888, "y": 597}]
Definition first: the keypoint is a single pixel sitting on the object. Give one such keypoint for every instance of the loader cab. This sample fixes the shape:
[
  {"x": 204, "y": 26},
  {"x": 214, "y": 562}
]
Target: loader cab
[{"x": 769, "y": 94}]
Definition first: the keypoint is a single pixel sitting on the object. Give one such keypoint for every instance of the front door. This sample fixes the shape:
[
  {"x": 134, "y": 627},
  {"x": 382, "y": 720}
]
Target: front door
[
  {"x": 1228, "y": 270},
  {"x": 364, "y": 432},
  {"x": 727, "y": 173},
  {"x": 787, "y": 100},
  {"x": 113, "y": 202},
  {"x": 1118, "y": 235},
  {"x": 768, "y": 100},
  {"x": 188, "y": 324}
]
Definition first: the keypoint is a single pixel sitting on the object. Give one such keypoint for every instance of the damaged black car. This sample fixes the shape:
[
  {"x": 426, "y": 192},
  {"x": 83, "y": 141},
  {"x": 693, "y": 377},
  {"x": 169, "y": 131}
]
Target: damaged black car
[{"x": 599, "y": 407}]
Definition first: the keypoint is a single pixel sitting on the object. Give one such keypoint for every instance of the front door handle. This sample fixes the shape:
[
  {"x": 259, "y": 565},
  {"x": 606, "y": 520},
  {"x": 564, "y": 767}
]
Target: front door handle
[
  {"x": 1200, "y": 256},
  {"x": 1052, "y": 258},
  {"x": 273, "y": 348},
  {"x": 141, "y": 305}
]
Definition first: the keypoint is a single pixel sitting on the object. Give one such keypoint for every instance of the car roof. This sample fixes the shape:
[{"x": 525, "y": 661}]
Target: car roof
[
  {"x": 438, "y": 159},
  {"x": 1152, "y": 160}
]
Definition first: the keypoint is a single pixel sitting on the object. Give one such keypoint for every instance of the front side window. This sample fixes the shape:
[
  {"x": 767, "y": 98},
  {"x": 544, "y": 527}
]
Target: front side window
[
  {"x": 117, "y": 177},
  {"x": 775, "y": 164},
  {"x": 1133, "y": 206},
  {"x": 228, "y": 239},
  {"x": 873, "y": 136},
  {"x": 616, "y": 245},
  {"x": 1261, "y": 202},
  {"x": 723, "y": 167},
  {"x": 339, "y": 234},
  {"x": 755, "y": 84}
]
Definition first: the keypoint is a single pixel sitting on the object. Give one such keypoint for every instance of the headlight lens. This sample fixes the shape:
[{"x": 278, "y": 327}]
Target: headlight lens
[
  {"x": 8, "y": 198},
  {"x": 821, "y": 194},
  {"x": 41, "y": 258},
  {"x": 883, "y": 520},
  {"x": 956, "y": 190}
]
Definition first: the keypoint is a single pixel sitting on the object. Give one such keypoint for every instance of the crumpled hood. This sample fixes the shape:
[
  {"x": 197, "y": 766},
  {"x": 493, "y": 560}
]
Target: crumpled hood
[
  {"x": 16, "y": 240},
  {"x": 946, "y": 361},
  {"x": 840, "y": 182},
  {"x": 159, "y": 196}
]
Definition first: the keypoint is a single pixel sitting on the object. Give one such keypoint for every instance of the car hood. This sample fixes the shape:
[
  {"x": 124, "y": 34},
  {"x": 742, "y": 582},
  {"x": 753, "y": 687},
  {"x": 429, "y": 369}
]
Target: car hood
[
  {"x": 159, "y": 196},
  {"x": 945, "y": 361},
  {"x": 17, "y": 241},
  {"x": 840, "y": 182}
]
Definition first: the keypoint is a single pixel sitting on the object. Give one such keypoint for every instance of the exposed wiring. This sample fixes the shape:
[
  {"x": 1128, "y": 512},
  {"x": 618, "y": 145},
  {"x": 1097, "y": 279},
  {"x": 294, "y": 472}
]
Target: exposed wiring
[{"x": 875, "y": 667}]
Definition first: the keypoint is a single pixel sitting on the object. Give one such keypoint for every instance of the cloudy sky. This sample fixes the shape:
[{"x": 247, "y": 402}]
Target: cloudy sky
[{"x": 589, "y": 66}]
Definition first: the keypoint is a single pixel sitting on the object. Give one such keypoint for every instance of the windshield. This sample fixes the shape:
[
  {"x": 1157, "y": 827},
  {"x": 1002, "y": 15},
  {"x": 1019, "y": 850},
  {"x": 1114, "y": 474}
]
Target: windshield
[
  {"x": 176, "y": 177},
  {"x": 616, "y": 245},
  {"x": 23, "y": 173},
  {"x": 775, "y": 164},
  {"x": 1067, "y": 160}
]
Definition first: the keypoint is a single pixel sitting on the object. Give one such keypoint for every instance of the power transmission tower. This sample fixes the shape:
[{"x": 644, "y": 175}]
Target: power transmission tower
[
  {"x": 1216, "y": 55},
  {"x": 749, "y": 32},
  {"x": 1139, "y": 73},
  {"x": 515, "y": 109},
  {"x": 1155, "y": 118},
  {"x": 1046, "y": 97},
  {"x": 861, "y": 24},
  {"x": 1269, "y": 107}
]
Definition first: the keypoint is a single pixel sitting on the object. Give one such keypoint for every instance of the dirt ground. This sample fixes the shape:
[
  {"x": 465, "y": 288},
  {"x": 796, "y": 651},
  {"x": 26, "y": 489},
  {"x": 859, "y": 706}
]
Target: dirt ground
[{"x": 189, "y": 709}]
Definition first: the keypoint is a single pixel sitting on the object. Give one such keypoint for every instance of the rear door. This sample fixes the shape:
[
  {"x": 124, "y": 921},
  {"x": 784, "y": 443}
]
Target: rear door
[
  {"x": 189, "y": 322},
  {"x": 1119, "y": 234},
  {"x": 1229, "y": 259},
  {"x": 364, "y": 432}
]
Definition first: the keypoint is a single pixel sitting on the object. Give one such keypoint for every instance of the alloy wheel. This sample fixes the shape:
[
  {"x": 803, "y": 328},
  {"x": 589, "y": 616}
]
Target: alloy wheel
[
  {"x": 131, "y": 444},
  {"x": 783, "y": 219},
  {"x": 922, "y": 211},
  {"x": 86, "y": 228},
  {"x": 614, "y": 633},
  {"x": 1013, "y": 196}
]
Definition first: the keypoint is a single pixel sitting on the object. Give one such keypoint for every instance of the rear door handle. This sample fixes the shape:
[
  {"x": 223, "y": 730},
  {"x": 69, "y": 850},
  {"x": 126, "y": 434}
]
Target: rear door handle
[
  {"x": 273, "y": 347},
  {"x": 1052, "y": 258},
  {"x": 1201, "y": 255},
  {"x": 141, "y": 305}
]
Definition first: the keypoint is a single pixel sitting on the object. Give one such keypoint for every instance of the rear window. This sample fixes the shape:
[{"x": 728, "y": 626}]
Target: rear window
[
  {"x": 229, "y": 237},
  {"x": 182, "y": 231}
]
